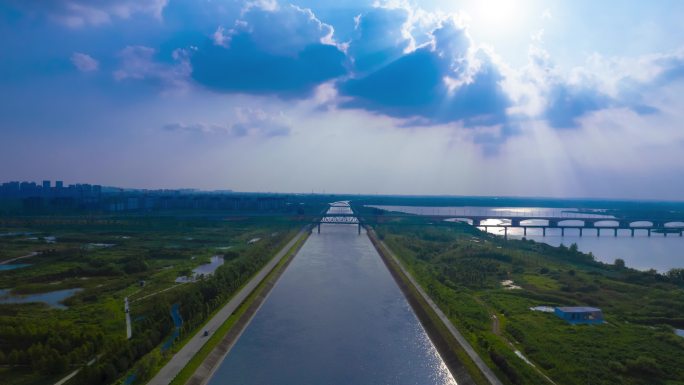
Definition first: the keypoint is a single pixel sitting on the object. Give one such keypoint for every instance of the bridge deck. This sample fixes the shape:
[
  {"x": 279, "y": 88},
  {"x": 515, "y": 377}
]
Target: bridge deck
[{"x": 518, "y": 221}]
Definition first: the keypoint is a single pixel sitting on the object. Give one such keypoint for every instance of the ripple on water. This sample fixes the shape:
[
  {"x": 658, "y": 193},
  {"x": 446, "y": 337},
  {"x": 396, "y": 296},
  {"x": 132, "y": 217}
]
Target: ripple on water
[{"x": 336, "y": 316}]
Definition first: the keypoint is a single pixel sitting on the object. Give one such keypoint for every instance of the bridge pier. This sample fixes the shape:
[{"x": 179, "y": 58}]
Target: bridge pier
[
  {"x": 562, "y": 231},
  {"x": 525, "y": 231},
  {"x": 598, "y": 232},
  {"x": 580, "y": 229},
  {"x": 665, "y": 234},
  {"x": 632, "y": 233},
  {"x": 681, "y": 232},
  {"x": 615, "y": 233},
  {"x": 319, "y": 227},
  {"x": 359, "y": 228},
  {"x": 543, "y": 231},
  {"x": 506, "y": 232},
  {"x": 649, "y": 232}
]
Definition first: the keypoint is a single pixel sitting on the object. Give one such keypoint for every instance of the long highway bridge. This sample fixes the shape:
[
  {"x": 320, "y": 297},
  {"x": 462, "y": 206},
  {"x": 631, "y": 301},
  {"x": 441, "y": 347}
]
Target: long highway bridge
[{"x": 649, "y": 225}]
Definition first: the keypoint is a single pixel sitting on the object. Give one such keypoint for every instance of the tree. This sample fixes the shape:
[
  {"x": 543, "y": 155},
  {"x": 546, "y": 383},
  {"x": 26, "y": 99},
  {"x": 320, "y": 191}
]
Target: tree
[
  {"x": 619, "y": 263},
  {"x": 676, "y": 275}
]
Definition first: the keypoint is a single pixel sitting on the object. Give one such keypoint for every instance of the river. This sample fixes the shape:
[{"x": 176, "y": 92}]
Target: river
[
  {"x": 641, "y": 252},
  {"x": 335, "y": 316}
]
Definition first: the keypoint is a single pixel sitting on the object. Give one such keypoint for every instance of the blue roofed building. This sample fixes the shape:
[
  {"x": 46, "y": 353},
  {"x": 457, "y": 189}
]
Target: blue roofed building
[{"x": 580, "y": 315}]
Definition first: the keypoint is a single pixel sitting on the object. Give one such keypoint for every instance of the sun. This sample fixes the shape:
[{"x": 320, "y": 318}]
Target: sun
[
  {"x": 499, "y": 16},
  {"x": 505, "y": 25}
]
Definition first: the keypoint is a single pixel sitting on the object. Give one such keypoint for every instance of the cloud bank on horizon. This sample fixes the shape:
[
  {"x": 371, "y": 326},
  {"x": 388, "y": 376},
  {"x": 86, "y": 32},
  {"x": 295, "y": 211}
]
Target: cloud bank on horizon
[{"x": 267, "y": 70}]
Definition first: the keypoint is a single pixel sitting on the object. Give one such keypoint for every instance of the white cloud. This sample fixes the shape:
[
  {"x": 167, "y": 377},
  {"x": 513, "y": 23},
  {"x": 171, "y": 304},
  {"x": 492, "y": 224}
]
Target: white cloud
[
  {"x": 219, "y": 37},
  {"x": 266, "y": 5},
  {"x": 255, "y": 121},
  {"x": 81, "y": 13},
  {"x": 246, "y": 122},
  {"x": 138, "y": 63},
  {"x": 283, "y": 30},
  {"x": 84, "y": 62}
]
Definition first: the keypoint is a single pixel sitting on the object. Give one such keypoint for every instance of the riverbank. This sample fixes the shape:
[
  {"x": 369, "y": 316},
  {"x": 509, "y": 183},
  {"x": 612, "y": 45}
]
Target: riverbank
[
  {"x": 175, "y": 370},
  {"x": 205, "y": 363},
  {"x": 489, "y": 288},
  {"x": 461, "y": 359}
]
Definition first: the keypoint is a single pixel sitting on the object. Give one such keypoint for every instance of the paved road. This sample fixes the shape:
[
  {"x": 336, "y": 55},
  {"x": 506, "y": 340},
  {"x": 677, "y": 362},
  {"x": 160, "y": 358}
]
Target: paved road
[
  {"x": 181, "y": 359},
  {"x": 486, "y": 371},
  {"x": 127, "y": 310}
]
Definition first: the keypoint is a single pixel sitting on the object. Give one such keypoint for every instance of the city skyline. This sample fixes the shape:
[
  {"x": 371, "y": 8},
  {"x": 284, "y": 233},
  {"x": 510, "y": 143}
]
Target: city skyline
[{"x": 388, "y": 97}]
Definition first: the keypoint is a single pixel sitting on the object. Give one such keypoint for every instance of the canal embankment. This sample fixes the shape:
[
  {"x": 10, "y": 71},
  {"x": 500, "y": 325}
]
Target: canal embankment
[
  {"x": 462, "y": 360},
  {"x": 194, "y": 353}
]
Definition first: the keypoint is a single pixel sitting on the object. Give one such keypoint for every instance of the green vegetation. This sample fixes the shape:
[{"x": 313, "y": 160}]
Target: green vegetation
[
  {"x": 109, "y": 257},
  {"x": 462, "y": 269},
  {"x": 258, "y": 294},
  {"x": 450, "y": 349}
]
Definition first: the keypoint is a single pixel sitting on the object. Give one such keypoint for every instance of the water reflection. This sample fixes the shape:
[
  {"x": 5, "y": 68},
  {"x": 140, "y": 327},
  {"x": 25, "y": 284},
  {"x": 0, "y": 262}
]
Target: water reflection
[
  {"x": 53, "y": 299},
  {"x": 336, "y": 316},
  {"x": 203, "y": 270},
  {"x": 13, "y": 266},
  {"x": 640, "y": 252},
  {"x": 531, "y": 212}
]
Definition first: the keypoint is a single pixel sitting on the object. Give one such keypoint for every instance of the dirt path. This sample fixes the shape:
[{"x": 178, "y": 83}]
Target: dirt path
[
  {"x": 32, "y": 254},
  {"x": 495, "y": 325},
  {"x": 496, "y": 329},
  {"x": 155, "y": 293}
]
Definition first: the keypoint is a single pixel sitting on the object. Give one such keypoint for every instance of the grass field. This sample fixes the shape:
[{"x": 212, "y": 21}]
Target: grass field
[
  {"x": 462, "y": 269},
  {"x": 108, "y": 257}
]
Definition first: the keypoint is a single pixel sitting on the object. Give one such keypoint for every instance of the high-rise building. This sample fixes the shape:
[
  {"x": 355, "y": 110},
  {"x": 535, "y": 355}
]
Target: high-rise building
[
  {"x": 46, "y": 185},
  {"x": 59, "y": 184}
]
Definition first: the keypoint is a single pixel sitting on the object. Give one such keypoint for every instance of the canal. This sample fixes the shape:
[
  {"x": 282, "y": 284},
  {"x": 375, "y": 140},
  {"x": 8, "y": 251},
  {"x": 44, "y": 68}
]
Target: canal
[{"x": 336, "y": 316}]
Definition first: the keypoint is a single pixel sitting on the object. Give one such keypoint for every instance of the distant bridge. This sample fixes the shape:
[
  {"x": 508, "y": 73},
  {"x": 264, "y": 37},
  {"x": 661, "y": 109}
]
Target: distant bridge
[
  {"x": 339, "y": 219},
  {"x": 524, "y": 222}
]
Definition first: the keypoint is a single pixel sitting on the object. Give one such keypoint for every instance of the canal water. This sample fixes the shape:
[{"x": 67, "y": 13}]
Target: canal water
[
  {"x": 335, "y": 316},
  {"x": 639, "y": 252}
]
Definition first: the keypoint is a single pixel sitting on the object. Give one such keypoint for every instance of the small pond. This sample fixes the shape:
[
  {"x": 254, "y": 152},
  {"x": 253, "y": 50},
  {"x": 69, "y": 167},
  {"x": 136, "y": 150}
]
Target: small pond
[
  {"x": 53, "y": 298},
  {"x": 13, "y": 266},
  {"x": 206, "y": 269}
]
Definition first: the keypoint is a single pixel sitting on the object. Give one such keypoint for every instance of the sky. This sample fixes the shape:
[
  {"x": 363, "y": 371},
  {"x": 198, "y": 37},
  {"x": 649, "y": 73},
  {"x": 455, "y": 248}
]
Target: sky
[{"x": 475, "y": 97}]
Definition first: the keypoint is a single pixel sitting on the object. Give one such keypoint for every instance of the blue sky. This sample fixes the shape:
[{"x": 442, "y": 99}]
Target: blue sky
[{"x": 489, "y": 97}]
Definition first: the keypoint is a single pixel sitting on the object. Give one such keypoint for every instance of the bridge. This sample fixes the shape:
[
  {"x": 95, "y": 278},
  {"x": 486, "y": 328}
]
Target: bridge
[{"x": 649, "y": 225}]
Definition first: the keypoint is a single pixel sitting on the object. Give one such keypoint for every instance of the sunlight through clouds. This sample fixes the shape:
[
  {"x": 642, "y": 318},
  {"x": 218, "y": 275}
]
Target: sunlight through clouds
[{"x": 429, "y": 87}]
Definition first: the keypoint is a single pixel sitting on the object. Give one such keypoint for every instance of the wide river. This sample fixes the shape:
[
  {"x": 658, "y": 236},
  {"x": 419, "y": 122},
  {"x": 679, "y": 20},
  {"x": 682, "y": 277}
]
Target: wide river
[
  {"x": 641, "y": 252},
  {"x": 335, "y": 316}
]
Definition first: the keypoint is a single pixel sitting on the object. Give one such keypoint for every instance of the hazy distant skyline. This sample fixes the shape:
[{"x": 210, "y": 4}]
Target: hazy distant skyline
[{"x": 536, "y": 98}]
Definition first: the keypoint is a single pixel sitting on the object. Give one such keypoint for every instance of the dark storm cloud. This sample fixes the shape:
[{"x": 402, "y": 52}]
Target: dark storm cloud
[{"x": 417, "y": 84}]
